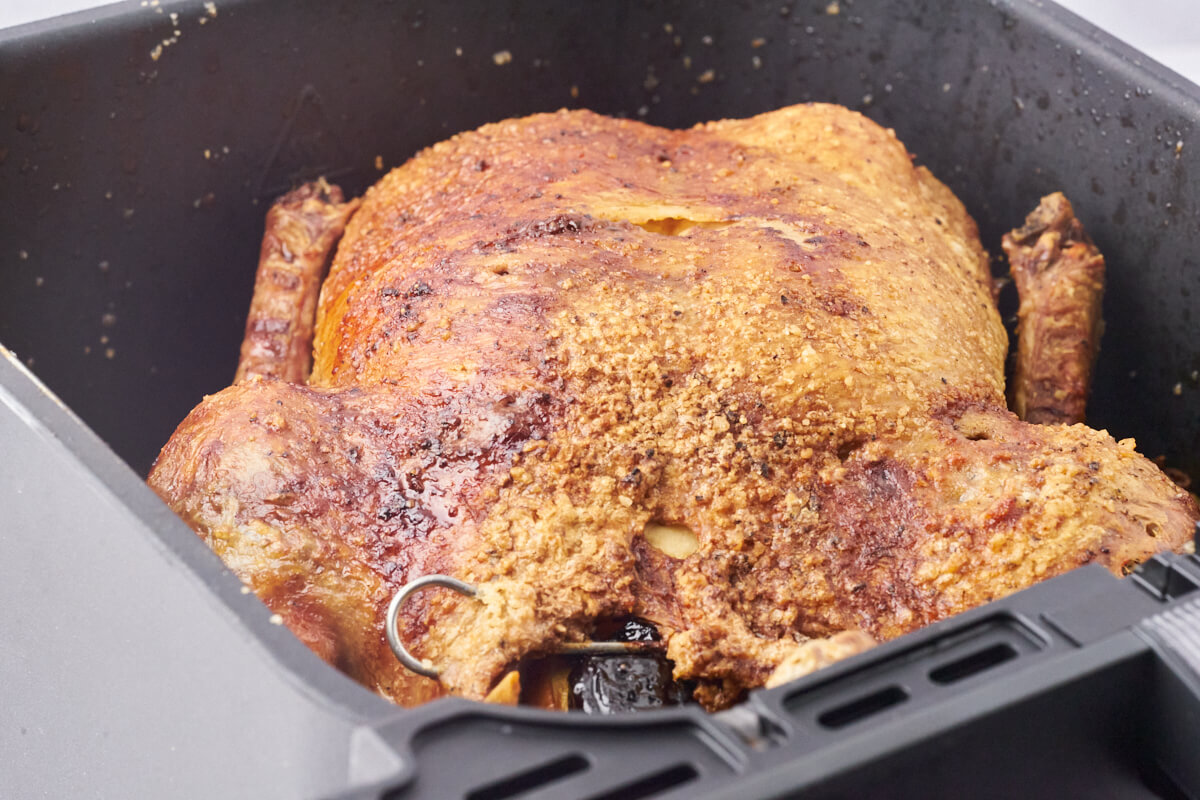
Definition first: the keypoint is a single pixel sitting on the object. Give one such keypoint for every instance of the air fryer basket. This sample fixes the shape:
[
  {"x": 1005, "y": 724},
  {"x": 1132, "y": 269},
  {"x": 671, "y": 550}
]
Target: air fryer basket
[{"x": 143, "y": 145}]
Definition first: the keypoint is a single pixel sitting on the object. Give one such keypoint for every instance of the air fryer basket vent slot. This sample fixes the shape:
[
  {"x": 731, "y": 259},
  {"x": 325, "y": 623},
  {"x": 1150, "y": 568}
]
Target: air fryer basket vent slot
[
  {"x": 973, "y": 664},
  {"x": 651, "y": 784},
  {"x": 531, "y": 779},
  {"x": 855, "y": 710}
]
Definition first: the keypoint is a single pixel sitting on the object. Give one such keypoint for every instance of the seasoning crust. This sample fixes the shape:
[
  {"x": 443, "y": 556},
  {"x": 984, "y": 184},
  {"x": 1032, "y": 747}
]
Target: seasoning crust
[{"x": 543, "y": 336}]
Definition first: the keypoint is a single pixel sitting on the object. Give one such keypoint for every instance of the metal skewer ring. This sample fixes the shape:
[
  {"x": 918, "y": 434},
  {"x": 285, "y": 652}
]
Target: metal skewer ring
[{"x": 393, "y": 614}]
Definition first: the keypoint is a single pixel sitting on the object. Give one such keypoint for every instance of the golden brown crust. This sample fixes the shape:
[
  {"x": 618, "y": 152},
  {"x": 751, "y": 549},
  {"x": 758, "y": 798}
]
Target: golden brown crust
[
  {"x": 812, "y": 656},
  {"x": 774, "y": 332},
  {"x": 303, "y": 227},
  {"x": 1059, "y": 275}
]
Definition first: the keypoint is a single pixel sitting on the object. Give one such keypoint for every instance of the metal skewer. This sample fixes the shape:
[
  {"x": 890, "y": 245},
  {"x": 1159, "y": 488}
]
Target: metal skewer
[
  {"x": 605, "y": 648},
  {"x": 414, "y": 664},
  {"x": 393, "y": 613}
]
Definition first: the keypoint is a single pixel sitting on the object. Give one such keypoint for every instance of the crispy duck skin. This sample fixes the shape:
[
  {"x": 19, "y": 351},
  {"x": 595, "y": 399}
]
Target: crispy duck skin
[
  {"x": 1059, "y": 275},
  {"x": 302, "y": 228},
  {"x": 541, "y": 337}
]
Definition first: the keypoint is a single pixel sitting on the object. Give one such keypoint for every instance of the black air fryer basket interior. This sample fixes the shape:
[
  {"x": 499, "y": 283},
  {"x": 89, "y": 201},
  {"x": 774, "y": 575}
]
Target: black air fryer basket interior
[{"x": 142, "y": 144}]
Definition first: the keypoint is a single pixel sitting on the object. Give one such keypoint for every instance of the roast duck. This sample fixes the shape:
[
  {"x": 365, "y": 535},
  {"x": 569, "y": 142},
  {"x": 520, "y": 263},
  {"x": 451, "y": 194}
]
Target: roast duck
[{"x": 739, "y": 389}]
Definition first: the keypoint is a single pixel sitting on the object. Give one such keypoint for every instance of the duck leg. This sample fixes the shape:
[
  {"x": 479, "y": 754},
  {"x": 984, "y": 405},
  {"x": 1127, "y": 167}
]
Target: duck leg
[
  {"x": 1060, "y": 279},
  {"x": 303, "y": 228}
]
